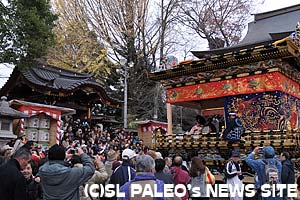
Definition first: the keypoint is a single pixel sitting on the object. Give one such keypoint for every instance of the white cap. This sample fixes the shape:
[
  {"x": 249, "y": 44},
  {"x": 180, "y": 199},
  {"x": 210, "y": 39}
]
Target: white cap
[
  {"x": 128, "y": 154},
  {"x": 158, "y": 154}
]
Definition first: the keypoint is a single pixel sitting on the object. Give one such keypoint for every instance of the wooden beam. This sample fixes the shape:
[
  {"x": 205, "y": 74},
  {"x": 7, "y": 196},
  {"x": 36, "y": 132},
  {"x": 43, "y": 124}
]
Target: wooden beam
[{"x": 169, "y": 116}]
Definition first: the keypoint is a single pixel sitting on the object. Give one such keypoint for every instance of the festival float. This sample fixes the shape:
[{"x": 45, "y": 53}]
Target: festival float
[{"x": 257, "y": 78}]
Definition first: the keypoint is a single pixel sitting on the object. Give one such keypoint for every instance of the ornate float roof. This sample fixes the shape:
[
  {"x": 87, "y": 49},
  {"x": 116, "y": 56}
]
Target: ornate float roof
[
  {"x": 266, "y": 39},
  {"x": 54, "y": 81},
  {"x": 266, "y": 28}
]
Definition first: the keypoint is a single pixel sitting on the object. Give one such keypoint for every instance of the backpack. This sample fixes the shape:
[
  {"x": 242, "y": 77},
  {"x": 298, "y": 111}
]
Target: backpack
[
  {"x": 236, "y": 133},
  {"x": 271, "y": 175}
]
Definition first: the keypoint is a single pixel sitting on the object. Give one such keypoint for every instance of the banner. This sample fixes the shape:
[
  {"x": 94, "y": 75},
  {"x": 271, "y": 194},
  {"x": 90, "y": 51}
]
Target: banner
[{"x": 265, "y": 111}]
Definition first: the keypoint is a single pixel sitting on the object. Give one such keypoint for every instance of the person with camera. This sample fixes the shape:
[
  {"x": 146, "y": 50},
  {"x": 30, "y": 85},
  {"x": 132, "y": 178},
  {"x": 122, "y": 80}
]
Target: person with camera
[
  {"x": 59, "y": 181},
  {"x": 268, "y": 169}
]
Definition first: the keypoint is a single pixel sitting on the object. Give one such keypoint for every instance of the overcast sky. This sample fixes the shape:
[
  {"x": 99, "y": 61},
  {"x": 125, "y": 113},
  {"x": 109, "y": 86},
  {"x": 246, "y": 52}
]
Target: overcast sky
[{"x": 268, "y": 5}]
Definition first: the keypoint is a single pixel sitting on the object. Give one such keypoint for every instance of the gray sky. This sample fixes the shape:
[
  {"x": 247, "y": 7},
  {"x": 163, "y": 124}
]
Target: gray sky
[{"x": 268, "y": 5}]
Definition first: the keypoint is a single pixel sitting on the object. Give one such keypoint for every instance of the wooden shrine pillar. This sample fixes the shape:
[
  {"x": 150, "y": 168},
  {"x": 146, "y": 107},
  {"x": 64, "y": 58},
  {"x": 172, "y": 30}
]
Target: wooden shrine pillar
[{"x": 169, "y": 117}]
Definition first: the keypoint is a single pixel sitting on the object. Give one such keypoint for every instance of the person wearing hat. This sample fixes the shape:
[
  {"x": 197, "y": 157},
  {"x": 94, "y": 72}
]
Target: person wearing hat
[
  {"x": 233, "y": 173},
  {"x": 263, "y": 167},
  {"x": 59, "y": 181},
  {"x": 234, "y": 128},
  {"x": 125, "y": 172},
  {"x": 5, "y": 154}
]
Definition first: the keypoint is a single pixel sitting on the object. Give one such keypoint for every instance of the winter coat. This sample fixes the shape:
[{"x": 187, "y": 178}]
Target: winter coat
[
  {"x": 259, "y": 167},
  {"x": 166, "y": 178},
  {"x": 61, "y": 182},
  {"x": 142, "y": 179},
  {"x": 13, "y": 183},
  {"x": 181, "y": 177},
  {"x": 34, "y": 190},
  {"x": 122, "y": 174},
  {"x": 288, "y": 174},
  {"x": 99, "y": 177}
]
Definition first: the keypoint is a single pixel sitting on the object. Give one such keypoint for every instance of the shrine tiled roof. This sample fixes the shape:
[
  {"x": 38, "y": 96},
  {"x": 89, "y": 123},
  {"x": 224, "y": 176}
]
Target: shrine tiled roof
[
  {"x": 57, "y": 78},
  {"x": 55, "y": 81}
]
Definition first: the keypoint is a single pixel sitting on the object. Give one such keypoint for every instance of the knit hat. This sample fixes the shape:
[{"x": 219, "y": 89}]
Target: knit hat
[{"x": 56, "y": 152}]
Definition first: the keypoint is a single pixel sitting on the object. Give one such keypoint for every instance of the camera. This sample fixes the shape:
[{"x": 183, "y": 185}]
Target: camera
[{"x": 73, "y": 151}]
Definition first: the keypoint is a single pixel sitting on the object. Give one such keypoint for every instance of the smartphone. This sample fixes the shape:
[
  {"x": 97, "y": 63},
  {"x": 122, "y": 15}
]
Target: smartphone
[{"x": 73, "y": 151}]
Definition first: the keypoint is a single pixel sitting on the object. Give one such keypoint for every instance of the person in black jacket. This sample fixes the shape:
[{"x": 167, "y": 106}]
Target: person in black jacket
[
  {"x": 34, "y": 190},
  {"x": 13, "y": 183},
  {"x": 159, "y": 174},
  {"x": 126, "y": 171},
  {"x": 234, "y": 129},
  {"x": 287, "y": 174}
]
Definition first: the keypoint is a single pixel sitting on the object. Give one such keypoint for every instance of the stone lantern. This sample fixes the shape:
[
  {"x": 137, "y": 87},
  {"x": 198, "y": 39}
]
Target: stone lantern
[{"x": 7, "y": 115}]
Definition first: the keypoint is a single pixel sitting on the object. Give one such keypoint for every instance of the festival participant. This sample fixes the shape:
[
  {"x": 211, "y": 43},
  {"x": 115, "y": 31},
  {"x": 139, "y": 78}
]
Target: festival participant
[
  {"x": 66, "y": 140},
  {"x": 159, "y": 174},
  {"x": 19, "y": 143},
  {"x": 100, "y": 176},
  {"x": 112, "y": 156},
  {"x": 34, "y": 191},
  {"x": 70, "y": 132},
  {"x": 145, "y": 176},
  {"x": 234, "y": 130},
  {"x": 13, "y": 183},
  {"x": 59, "y": 181},
  {"x": 180, "y": 176},
  {"x": 5, "y": 154},
  {"x": 197, "y": 173},
  {"x": 263, "y": 168},
  {"x": 168, "y": 165},
  {"x": 234, "y": 173},
  {"x": 200, "y": 123},
  {"x": 288, "y": 174},
  {"x": 126, "y": 171},
  {"x": 152, "y": 154}
]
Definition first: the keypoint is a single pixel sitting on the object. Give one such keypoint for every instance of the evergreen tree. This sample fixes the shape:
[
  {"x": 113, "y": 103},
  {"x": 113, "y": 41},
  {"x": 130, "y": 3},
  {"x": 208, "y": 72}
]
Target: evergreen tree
[{"x": 28, "y": 31}]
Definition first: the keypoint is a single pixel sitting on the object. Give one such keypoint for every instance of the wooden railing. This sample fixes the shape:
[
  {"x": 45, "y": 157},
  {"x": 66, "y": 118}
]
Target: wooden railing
[{"x": 277, "y": 139}]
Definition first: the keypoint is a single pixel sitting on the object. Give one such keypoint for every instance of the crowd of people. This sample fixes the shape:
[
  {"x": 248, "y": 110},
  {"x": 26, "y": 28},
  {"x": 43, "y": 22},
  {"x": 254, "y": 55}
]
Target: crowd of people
[{"x": 88, "y": 155}]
